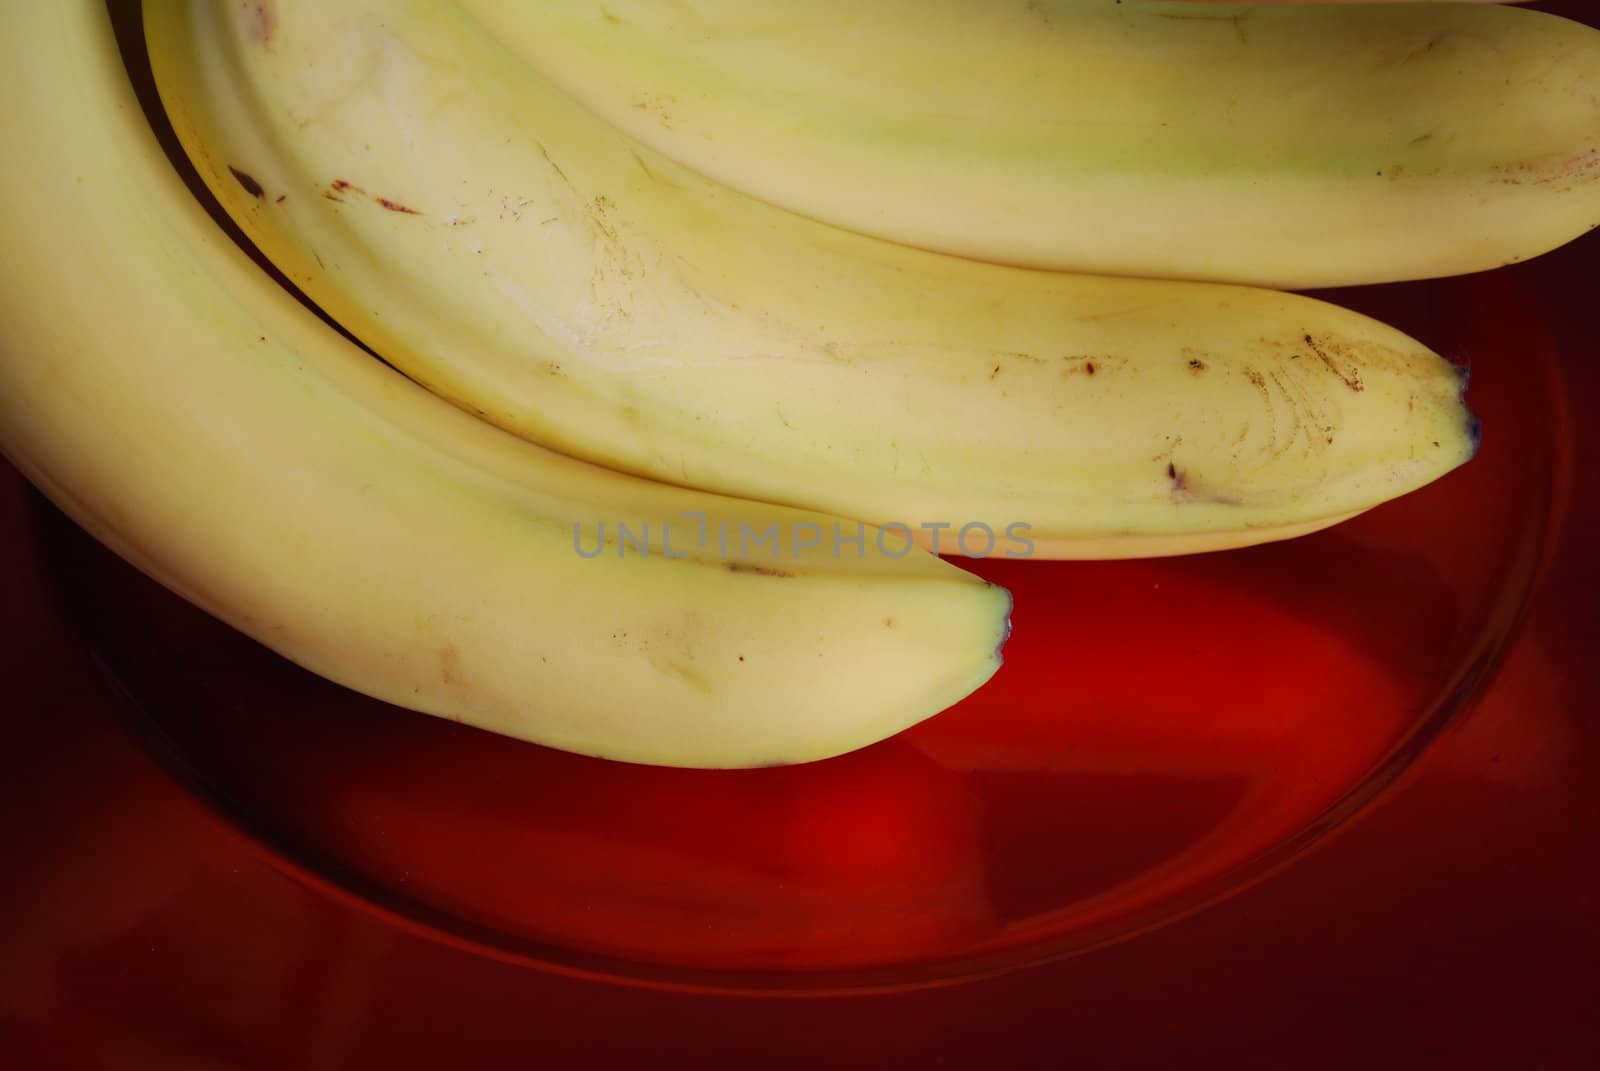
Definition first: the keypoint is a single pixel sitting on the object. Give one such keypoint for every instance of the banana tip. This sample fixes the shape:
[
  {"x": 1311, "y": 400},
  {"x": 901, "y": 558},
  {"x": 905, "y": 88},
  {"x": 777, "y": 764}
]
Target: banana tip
[
  {"x": 1005, "y": 626},
  {"x": 1474, "y": 428}
]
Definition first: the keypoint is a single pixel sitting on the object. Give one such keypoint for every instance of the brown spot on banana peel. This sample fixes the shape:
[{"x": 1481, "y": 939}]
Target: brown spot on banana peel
[
  {"x": 449, "y": 664},
  {"x": 249, "y": 183},
  {"x": 1182, "y": 490},
  {"x": 757, "y": 569},
  {"x": 1306, "y": 413},
  {"x": 1350, "y": 377},
  {"x": 339, "y": 187},
  {"x": 264, "y": 21},
  {"x": 1259, "y": 382},
  {"x": 1087, "y": 364},
  {"x": 659, "y": 107},
  {"x": 1566, "y": 170},
  {"x": 596, "y": 218}
]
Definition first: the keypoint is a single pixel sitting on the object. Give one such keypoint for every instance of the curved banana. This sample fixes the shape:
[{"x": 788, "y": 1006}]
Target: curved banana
[
  {"x": 498, "y": 243},
  {"x": 197, "y": 419},
  {"x": 1279, "y": 145}
]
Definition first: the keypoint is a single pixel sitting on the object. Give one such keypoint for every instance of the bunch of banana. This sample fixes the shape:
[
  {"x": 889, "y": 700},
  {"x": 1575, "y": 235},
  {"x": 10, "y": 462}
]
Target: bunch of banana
[
  {"x": 196, "y": 418},
  {"x": 495, "y": 240},
  {"x": 628, "y": 293},
  {"x": 1291, "y": 146}
]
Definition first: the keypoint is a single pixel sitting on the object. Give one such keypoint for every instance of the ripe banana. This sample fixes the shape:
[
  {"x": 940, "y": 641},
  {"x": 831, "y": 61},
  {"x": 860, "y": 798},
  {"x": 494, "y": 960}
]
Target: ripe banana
[
  {"x": 500, "y": 244},
  {"x": 197, "y": 419},
  {"x": 1287, "y": 146}
]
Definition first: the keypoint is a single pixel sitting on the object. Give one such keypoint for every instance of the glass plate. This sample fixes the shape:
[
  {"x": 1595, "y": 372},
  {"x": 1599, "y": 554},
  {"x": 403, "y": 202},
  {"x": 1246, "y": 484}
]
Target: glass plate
[{"x": 1162, "y": 734}]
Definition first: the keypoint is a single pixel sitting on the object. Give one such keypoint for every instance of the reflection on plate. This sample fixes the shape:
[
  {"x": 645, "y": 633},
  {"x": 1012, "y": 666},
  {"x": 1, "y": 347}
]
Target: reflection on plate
[{"x": 1162, "y": 733}]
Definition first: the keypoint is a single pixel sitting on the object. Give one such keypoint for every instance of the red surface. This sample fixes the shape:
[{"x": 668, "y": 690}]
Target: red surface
[{"x": 1449, "y": 923}]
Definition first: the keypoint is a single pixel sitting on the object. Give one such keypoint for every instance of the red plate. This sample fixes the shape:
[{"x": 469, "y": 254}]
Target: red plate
[{"x": 219, "y": 860}]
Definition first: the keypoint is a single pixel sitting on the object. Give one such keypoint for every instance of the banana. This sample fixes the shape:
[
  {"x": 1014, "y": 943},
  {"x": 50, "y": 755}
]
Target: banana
[
  {"x": 1277, "y": 145},
  {"x": 498, "y": 243},
  {"x": 192, "y": 415}
]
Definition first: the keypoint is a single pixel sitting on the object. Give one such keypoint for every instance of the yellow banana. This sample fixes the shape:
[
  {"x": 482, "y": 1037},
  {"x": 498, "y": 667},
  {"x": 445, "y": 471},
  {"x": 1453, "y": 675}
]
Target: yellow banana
[
  {"x": 1280, "y": 145},
  {"x": 500, "y": 244},
  {"x": 197, "y": 419}
]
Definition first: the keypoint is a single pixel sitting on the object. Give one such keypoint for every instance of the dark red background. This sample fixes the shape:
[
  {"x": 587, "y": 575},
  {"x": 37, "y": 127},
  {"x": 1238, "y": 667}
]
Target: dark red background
[{"x": 1452, "y": 925}]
